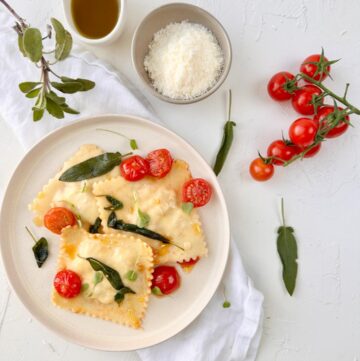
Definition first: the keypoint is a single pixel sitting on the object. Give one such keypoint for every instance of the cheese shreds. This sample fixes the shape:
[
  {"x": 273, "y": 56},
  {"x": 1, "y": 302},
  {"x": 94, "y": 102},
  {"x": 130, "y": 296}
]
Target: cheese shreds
[{"x": 184, "y": 60}]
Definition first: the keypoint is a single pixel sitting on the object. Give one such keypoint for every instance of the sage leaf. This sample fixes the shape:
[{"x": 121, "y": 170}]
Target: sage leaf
[
  {"x": 37, "y": 114},
  {"x": 59, "y": 30},
  {"x": 63, "y": 40},
  {"x": 133, "y": 144},
  {"x": 41, "y": 251},
  {"x": 33, "y": 93},
  {"x": 32, "y": 43},
  {"x": 67, "y": 109},
  {"x": 94, "y": 228},
  {"x": 115, "y": 204},
  {"x": 54, "y": 109},
  {"x": 187, "y": 207},
  {"x": 86, "y": 84},
  {"x": 156, "y": 291},
  {"x": 143, "y": 219},
  {"x": 27, "y": 86},
  {"x": 98, "y": 277},
  {"x": 92, "y": 167},
  {"x": 120, "y": 295},
  {"x": 287, "y": 249},
  {"x": 55, "y": 98},
  {"x": 21, "y": 44},
  {"x": 67, "y": 88},
  {"x": 131, "y": 275},
  {"x": 40, "y": 102}
]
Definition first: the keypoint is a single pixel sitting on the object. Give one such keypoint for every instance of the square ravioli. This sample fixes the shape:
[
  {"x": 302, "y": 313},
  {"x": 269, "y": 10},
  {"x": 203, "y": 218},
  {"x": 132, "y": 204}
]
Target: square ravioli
[
  {"x": 160, "y": 199},
  {"x": 76, "y": 196},
  {"x": 123, "y": 253}
]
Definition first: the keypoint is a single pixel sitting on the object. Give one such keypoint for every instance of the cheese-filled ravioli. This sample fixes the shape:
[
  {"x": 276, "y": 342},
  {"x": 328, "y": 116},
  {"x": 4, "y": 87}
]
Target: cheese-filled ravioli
[
  {"x": 115, "y": 272},
  {"x": 74, "y": 196},
  {"x": 155, "y": 205}
]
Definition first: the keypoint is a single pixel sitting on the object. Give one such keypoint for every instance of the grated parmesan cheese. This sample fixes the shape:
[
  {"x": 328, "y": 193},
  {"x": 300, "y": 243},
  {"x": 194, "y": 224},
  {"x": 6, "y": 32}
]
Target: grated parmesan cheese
[{"x": 184, "y": 60}]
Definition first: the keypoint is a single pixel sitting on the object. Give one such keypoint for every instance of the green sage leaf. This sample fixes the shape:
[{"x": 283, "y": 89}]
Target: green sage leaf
[
  {"x": 33, "y": 93},
  {"x": 67, "y": 109},
  {"x": 32, "y": 43},
  {"x": 59, "y": 30},
  {"x": 94, "y": 228},
  {"x": 131, "y": 275},
  {"x": 120, "y": 295},
  {"x": 92, "y": 167},
  {"x": 27, "y": 86},
  {"x": 37, "y": 114},
  {"x": 21, "y": 44},
  {"x": 67, "y": 88},
  {"x": 115, "y": 204},
  {"x": 54, "y": 109},
  {"x": 187, "y": 207},
  {"x": 41, "y": 251},
  {"x": 63, "y": 40},
  {"x": 55, "y": 98},
  {"x": 156, "y": 291},
  {"x": 86, "y": 84},
  {"x": 40, "y": 103},
  {"x": 143, "y": 219}
]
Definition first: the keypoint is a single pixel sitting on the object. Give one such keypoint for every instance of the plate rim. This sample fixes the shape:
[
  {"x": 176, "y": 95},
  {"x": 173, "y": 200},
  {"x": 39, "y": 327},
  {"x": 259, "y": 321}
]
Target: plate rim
[{"x": 28, "y": 303}]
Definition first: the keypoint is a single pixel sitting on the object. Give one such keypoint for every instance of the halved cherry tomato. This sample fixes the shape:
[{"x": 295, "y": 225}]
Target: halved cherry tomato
[
  {"x": 189, "y": 263},
  {"x": 340, "y": 128},
  {"x": 310, "y": 69},
  {"x": 303, "y": 97},
  {"x": 197, "y": 191},
  {"x": 160, "y": 162},
  {"x": 134, "y": 168},
  {"x": 302, "y": 132},
  {"x": 314, "y": 150},
  {"x": 67, "y": 283},
  {"x": 166, "y": 278},
  {"x": 281, "y": 152},
  {"x": 278, "y": 87},
  {"x": 260, "y": 170},
  {"x": 58, "y": 218}
]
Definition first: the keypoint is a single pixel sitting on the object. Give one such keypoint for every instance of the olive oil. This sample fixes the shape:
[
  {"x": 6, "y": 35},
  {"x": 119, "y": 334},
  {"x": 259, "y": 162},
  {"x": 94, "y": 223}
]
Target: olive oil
[{"x": 95, "y": 19}]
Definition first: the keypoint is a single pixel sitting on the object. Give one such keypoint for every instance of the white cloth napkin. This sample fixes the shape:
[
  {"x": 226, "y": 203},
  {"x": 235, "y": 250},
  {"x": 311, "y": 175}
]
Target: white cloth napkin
[{"x": 220, "y": 334}]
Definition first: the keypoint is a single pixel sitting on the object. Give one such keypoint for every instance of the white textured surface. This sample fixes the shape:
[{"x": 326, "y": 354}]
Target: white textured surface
[{"x": 322, "y": 321}]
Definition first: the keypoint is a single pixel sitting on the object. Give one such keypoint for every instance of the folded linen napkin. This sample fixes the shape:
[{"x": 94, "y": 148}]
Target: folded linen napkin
[{"x": 218, "y": 333}]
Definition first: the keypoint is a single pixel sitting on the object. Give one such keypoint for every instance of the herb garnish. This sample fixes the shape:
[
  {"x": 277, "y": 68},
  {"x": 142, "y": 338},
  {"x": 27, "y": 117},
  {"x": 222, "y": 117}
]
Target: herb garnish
[
  {"x": 287, "y": 249},
  {"x": 98, "y": 277},
  {"x": 132, "y": 142},
  {"x": 143, "y": 219},
  {"x": 40, "y": 249},
  {"x": 115, "y": 203},
  {"x": 93, "y": 167},
  {"x": 94, "y": 228},
  {"x": 120, "y": 295},
  {"x": 226, "y": 140},
  {"x": 156, "y": 291},
  {"x": 187, "y": 207},
  {"x": 131, "y": 276}
]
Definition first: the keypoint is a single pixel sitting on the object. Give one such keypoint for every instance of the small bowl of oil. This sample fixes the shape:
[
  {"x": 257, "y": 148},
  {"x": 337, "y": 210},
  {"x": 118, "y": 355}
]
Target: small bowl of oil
[{"x": 95, "y": 21}]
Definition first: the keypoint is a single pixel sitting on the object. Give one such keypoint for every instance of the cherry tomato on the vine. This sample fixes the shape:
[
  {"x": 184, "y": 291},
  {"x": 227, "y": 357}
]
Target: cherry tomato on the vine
[
  {"x": 160, "y": 162},
  {"x": 278, "y": 86},
  {"x": 303, "y": 97},
  {"x": 313, "y": 151},
  {"x": 321, "y": 120},
  {"x": 67, "y": 283},
  {"x": 281, "y": 152},
  {"x": 197, "y": 191},
  {"x": 302, "y": 132},
  {"x": 134, "y": 168},
  {"x": 166, "y": 278},
  {"x": 260, "y": 170},
  {"x": 58, "y": 218},
  {"x": 309, "y": 68}
]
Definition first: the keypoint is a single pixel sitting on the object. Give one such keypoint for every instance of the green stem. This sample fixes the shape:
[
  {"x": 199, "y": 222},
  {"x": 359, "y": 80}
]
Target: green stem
[
  {"x": 229, "y": 105},
  {"x": 13, "y": 12},
  {"x": 31, "y": 235},
  {"x": 282, "y": 211}
]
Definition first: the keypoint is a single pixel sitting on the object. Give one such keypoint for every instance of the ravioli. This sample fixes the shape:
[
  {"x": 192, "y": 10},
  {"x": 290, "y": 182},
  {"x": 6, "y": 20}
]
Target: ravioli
[
  {"x": 122, "y": 252},
  {"x": 76, "y": 196},
  {"x": 160, "y": 199}
]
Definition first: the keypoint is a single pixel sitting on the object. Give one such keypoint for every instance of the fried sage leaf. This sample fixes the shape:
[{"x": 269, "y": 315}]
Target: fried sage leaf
[
  {"x": 94, "y": 228},
  {"x": 40, "y": 249},
  {"x": 115, "y": 203},
  {"x": 92, "y": 167},
  {"x": 287, "y": 249},
  {"x": 120, "y": 295}
]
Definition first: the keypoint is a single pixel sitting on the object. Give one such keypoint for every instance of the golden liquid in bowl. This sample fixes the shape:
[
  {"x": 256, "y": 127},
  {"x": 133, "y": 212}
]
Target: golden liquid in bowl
[{"x": 95, "y": 19}]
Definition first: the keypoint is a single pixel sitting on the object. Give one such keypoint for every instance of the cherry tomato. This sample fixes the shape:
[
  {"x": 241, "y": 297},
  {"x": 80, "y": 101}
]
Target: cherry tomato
[
  {"x": 313, "y": 151},
  {"x": 281, "y": 151},
  {"x": 58, "y": 218},
  {"x": 302, "y": 132},
  {"x": 134, "y": 168},
  {"x": 322, "y": 113},
  {"x": 189, "y": 263},
  {"x": 310, "y": 69},
  {"x": 160, "y": 162},
  {"x": 277, "y": 86},
  {"x": 302, "y": 98},
  {"x": 197, "y": 191},
  {"x": 166, "y": 278},
  {"x": 260, "y": 170},
  {"x": 67, "y": 283}
]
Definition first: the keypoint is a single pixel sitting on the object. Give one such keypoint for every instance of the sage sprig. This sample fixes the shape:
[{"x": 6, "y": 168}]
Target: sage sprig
[
  {"x": 31, "y": 46},
  {"x": 287, "y": 249},
  {"x": 40, "y": 248}
]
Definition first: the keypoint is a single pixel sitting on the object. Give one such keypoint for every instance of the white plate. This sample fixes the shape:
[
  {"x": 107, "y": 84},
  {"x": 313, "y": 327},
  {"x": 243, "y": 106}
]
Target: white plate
[{"x": 165, "y": 316}]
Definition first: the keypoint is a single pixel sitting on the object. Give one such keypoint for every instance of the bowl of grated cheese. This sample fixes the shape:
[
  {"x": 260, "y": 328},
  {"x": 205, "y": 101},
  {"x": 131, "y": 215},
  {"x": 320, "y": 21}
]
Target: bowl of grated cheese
[{"x": 181, "y": 53}]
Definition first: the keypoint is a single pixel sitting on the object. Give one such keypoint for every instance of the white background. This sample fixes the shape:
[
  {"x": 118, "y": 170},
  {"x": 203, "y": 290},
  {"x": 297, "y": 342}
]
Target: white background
[{"x": 321, "y": 322}]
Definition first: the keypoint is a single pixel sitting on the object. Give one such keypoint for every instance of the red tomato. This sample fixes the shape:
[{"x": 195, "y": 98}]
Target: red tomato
[
  {"x": 302, "y": 132},
  {"x": 313, "y": 151},
  {"x": 261, "y": 171},
  {"x": 278, "y": 87},
  {"x": 197, "y": 191},
  {"x": 134, "y": 168},
  {"x": 58, "y": 218},
  {"x": 302, "y": 98},
  {"x": 310, "y": 69},
  {"x": 192, "y": 262},
  {"x": 281, "y": 150},
  {"x": 166, "y": 278},
  {"x": 325, "y": 111},
  {"x": 67, "y": 283},
  {"x": 160, "y": 162}
]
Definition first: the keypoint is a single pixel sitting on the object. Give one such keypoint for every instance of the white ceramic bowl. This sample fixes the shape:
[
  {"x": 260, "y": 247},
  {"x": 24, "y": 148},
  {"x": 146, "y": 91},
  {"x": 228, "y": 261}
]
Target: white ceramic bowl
[{"x": 109, "y": 38}]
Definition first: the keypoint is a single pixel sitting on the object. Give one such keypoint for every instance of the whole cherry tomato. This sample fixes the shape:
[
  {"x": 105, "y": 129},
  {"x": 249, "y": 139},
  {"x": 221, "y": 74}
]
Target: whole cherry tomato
[
  {"x": 58, "y": 218},
  {"x": 260, "y": 170},
  {"x": 166, "y": 278},
  {"x": 301, "y": 101},
  {"x": 67, "y": 283},
  {"x": 281, "y": 152},
  {"x": 134, "y": 168},
  {"x": 314, "y": 150},
  {"x": 197, "y": 191},
  {"x": 279, "y": 87},
  {"x": 160, "y": 162},
  {"x": 309, "y": 68},
  {"x": 323, "y": 113},
  {"x": 302, "y": 132}
]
